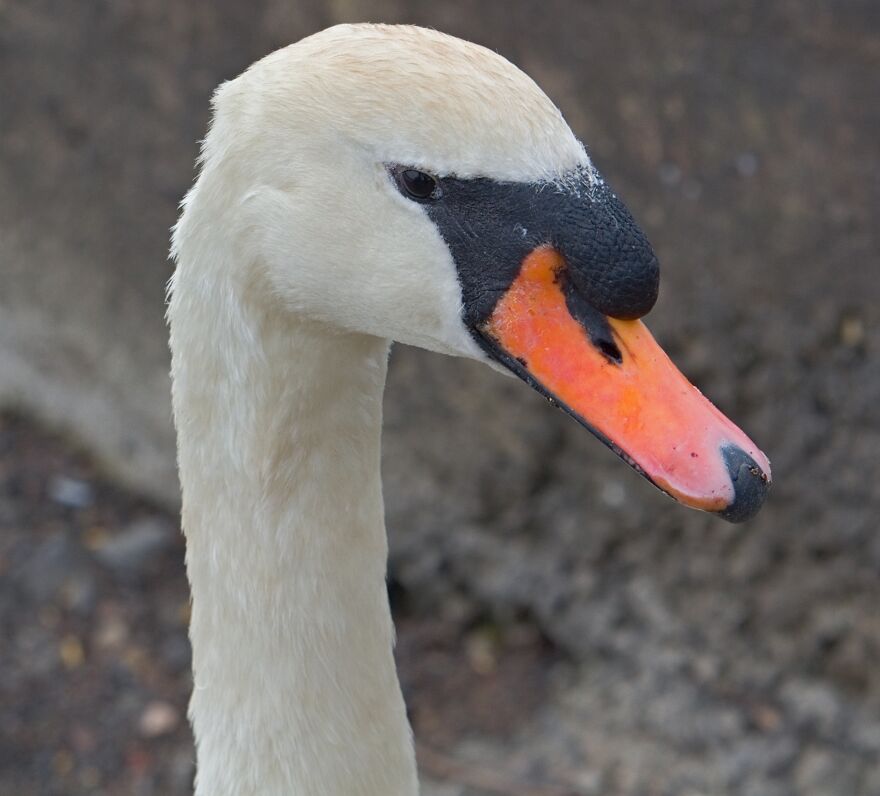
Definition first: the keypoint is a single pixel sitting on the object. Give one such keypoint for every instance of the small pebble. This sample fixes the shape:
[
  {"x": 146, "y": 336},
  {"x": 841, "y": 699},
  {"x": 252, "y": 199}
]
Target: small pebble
[
  {"x": 71, "y": 492},
  {"x": 766, "y": 718},
  {"x": 111, "y": 633},
  {"x": 137, "y": 546},
  {"x": 71, "y": 652},
  {"x": 852, "y": 331},
  {"x": 158, "y": 718},
  {"x": 480, "y": 651}
]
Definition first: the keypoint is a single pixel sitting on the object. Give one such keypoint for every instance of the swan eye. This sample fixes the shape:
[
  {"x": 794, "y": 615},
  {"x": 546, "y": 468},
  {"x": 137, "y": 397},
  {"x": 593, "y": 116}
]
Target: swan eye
[{"x": 419, "y": 185}]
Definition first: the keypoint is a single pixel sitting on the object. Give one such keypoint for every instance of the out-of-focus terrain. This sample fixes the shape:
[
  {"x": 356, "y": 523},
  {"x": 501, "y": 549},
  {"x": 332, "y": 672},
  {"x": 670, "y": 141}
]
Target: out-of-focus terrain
[
  {"x": 95, "y": 660},
  {"x": 562, "y": 624}
]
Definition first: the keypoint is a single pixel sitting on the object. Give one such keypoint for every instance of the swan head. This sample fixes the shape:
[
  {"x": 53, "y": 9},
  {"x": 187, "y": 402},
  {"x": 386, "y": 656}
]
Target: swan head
[{"x": 397, "y": 182}]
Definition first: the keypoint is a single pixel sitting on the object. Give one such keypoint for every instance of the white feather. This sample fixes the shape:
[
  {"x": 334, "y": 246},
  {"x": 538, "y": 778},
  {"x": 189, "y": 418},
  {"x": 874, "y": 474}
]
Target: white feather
[{"x": 297, "y": 263}]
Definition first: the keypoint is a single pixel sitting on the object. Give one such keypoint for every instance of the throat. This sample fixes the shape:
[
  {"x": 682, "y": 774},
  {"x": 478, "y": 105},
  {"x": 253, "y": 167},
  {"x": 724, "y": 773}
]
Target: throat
[{"x": 279, "y": 423}]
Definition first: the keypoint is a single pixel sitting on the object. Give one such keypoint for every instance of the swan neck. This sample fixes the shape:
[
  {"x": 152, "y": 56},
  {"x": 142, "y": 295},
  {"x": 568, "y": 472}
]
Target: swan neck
[{"x": 279, "y": 421}]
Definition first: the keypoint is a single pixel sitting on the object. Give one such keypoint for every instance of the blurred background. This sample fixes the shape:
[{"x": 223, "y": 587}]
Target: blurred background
[{"x": 564, "y": 628}]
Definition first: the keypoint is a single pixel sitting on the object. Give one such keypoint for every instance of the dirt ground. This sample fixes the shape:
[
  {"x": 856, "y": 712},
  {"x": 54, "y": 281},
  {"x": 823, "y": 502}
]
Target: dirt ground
[
  {"x": 563, "y": 627},
  {"x": 94, "y": 681}
]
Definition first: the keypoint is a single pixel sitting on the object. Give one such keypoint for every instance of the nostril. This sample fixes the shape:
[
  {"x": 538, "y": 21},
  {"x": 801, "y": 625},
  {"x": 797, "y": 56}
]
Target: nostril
[
  {"x": 750, "y": 484},
  {"x": 594, "y": 323},
  {"x": 609, "y": 350}
]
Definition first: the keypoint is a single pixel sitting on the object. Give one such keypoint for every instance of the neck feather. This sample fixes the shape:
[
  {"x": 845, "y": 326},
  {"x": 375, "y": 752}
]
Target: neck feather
[{"x": 279, "y": 425}]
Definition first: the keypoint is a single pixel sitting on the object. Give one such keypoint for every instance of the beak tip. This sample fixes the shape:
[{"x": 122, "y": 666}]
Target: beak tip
[{"x": 750, "y": 485}]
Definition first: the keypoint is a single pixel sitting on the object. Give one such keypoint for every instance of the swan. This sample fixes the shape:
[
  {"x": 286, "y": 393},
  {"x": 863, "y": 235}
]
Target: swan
[{"x": 371, "y": 184}]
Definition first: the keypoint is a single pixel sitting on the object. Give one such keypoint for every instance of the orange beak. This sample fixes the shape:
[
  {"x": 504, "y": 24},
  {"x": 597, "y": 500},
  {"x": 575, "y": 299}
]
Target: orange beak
[{"x": 635, "y": 399}]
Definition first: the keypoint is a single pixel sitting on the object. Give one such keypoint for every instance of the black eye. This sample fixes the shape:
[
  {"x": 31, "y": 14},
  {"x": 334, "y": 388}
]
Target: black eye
[{"x": 418, "y": 185}]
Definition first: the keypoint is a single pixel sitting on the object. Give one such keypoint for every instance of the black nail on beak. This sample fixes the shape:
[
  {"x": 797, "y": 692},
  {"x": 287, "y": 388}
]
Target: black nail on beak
[{"x": 750, "y": 484}]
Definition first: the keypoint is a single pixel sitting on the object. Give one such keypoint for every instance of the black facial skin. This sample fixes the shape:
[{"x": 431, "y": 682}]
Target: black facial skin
[{"x": 491, "y": 226}]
